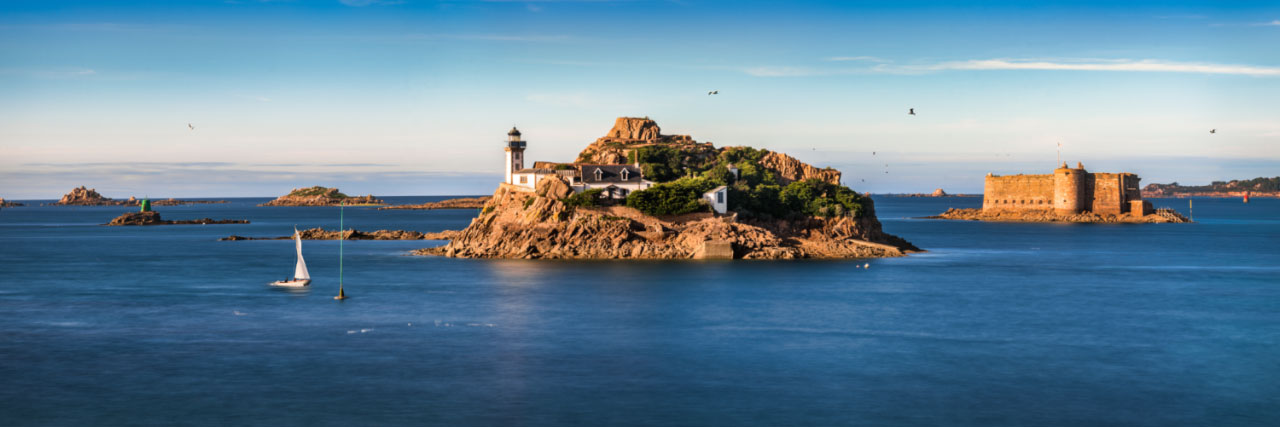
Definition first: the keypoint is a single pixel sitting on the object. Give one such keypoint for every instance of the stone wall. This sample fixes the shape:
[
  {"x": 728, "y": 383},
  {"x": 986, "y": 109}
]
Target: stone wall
[
  {"x": 1018, "y": 192},
  {"x": 1107, "y": 197},
  {"x": 1067, "y": 191}
]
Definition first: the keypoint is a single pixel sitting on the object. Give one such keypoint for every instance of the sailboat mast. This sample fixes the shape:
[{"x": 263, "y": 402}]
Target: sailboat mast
[{"x": 341, "y": 236}]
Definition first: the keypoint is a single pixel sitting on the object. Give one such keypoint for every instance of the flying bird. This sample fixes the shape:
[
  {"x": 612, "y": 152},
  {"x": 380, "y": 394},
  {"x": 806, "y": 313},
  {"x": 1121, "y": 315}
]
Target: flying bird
[
  {"x": 714, "y": 92},
  {"x": 191, "y": 127},
  {"x": 873, "y": 153},
  {"x": 1213, "y": 131},
  {"x": 911, "y": 111}
]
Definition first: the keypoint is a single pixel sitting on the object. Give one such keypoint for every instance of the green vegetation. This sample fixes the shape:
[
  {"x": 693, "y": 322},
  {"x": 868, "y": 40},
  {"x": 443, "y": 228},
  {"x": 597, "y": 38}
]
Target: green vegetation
[
  {"x": 586, "y": 198},
  {"x": 564, "y": 167},
  {"x": 316, "y": 191},
  {"x": 527, "y": 202},
  {"x": 681, "y": 196},
  {"x": 815, "y": 197},
  {"x": 659, "y": 163}
]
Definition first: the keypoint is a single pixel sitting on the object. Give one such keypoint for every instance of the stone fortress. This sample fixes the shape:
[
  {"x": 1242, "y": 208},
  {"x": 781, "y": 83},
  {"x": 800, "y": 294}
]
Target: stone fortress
[{"x": 1067, "y": 191}]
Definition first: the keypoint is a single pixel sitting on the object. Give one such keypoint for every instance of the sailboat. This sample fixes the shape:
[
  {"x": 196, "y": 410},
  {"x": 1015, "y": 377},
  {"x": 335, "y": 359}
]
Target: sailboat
[{"x": 301, "y": 277}]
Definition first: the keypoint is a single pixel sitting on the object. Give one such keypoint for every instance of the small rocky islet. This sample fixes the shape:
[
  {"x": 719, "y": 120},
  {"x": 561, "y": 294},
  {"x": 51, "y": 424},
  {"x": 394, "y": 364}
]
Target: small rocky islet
[
  {"x": 322, "y": 234},
  {"x": 459, "y": 203},
  {"x": 81, "y": 196},
  {"x": 153, "y": 218},
  {"x": 321, "y": 196}
]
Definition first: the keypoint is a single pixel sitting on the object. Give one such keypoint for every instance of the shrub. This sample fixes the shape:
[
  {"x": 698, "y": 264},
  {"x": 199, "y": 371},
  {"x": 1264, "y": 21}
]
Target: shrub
[
  {"x": 660, "y": 163},
  {"x": 819, "y": 198},
  {"x": 673, "y": 198},
  {"x": 586, "y": 198}
]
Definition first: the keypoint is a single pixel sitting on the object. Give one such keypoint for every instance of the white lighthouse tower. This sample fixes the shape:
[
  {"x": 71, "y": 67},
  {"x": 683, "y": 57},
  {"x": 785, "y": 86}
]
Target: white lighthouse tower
[{"x": 515, "y": 154}]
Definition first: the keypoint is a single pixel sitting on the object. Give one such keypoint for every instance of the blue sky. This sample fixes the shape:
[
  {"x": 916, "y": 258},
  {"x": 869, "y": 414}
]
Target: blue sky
[{"x": 414, "y": 97}]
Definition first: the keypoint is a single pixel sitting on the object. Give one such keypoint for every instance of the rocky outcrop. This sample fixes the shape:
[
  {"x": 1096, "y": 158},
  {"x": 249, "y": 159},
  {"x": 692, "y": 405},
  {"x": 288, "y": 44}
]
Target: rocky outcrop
[
  {"x": 320, "y": 196},
  {"x": 1047, "y": 215},
  {"x": 153, "y": 218},
  {"x": 7, "y": 204},
  {"x": 634, "y": 129},
  {"x": 939, "y": 193},
  {"x": 460, "y": 203},
  {"x": 322, "y": 234},
  {"x": 82, "y": 196},
  {"x": 629, "y": 133},
  {"x": 789, "y": 169},
  {"x": 519, "y": 223}
]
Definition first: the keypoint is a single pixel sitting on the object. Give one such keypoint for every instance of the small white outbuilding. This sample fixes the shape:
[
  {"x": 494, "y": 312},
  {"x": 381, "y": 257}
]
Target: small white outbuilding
[{"x": 718, "y": 198}]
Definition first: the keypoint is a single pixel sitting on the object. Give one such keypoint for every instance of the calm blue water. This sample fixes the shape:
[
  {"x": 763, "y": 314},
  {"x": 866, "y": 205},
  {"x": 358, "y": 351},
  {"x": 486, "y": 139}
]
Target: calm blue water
[{"x": 999, "y": 324}]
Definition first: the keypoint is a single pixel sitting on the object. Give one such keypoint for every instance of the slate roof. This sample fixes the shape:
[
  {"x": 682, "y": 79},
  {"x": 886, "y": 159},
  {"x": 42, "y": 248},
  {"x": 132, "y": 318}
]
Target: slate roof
[{"x": 610, "y": 173}]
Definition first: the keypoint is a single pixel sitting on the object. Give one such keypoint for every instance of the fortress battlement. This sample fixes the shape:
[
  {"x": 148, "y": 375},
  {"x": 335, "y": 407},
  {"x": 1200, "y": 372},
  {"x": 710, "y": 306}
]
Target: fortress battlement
[{"x": 1066, "y": 191}]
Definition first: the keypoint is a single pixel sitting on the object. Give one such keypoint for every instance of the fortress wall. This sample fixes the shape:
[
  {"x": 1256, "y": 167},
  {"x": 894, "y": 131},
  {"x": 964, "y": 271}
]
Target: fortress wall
[
  {"x": 1018, "y": 192},
  {"x": 1107, "y": 193},
  {"x": 1132, "y": 185}
]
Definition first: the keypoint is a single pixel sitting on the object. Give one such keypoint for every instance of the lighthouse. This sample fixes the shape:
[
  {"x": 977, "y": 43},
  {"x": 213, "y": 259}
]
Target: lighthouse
[{"x": 515, "y": 153}]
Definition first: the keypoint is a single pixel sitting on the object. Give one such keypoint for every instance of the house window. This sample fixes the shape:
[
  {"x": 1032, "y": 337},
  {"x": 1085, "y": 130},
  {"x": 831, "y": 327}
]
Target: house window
[
  {"x": 599, "y": 175},
  {"x": 524, "y": 179},
  {"x": 622, "y": 192},
  {"x": 625, "y": 173},
  {"x": 719, "y": 197}
]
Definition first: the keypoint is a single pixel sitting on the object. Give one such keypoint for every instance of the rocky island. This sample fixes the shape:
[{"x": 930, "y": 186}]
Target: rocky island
[
  {"x": 7, "y": 204},
  {"x": 321, "y": 196},
  {"x": 1066, "y": 195},
  {"x": 459, "y": 203},
  {"x": 82, "y": 196},
  {"x": 638, "y": 194},
  {"x": 322, "y": 234},
  {"x": 153, "y": 218}
]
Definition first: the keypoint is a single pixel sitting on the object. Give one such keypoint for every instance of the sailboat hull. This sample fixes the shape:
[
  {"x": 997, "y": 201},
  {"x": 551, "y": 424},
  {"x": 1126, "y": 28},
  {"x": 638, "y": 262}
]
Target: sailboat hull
[{"x": 297, "y": 283}]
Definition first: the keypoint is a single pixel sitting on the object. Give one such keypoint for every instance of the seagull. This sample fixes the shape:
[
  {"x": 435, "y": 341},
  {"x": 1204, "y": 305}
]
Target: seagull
[
  {"x": 1213, "y": 131},
  {"x": 873, "y": 153},
  {"x": 191, "y": 127},
  {"x": 714, "y": 92},
  {"x": 911, "y": 111}
]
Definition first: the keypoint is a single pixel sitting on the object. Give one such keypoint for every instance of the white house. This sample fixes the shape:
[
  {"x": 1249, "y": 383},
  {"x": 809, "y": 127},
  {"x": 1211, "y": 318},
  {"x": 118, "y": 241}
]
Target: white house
[
  {"x": 617, "y": 181},
  {"x": 718, "y": 198}
]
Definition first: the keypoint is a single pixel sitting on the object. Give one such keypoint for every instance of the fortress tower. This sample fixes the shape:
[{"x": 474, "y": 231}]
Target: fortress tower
[
  {"x": 1068, "y": 189},
  {"x": 515, "y": 153}
]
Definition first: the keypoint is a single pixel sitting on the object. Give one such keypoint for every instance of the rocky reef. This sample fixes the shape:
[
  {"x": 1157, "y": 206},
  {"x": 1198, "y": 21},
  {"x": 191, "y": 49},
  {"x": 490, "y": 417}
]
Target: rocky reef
[
  {"x": 1047, "y": 215},
  {"x": 459, "y": 203},
  {"x": 7, "y": 204},
  {"x": 153, "y": 218},
  {"x": 82, "y": 196},
  {"x": 322, "y": 234},
  {"x": 320, "y": 196}
]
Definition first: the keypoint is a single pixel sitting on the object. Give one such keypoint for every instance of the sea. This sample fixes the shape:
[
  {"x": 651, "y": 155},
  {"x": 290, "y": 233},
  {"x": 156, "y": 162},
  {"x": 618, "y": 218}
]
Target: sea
[{"x": 997, "y": 324}]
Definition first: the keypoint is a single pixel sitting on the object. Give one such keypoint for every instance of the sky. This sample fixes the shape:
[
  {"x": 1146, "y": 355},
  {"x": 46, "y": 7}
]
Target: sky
[{"x": 415, "y": 97}]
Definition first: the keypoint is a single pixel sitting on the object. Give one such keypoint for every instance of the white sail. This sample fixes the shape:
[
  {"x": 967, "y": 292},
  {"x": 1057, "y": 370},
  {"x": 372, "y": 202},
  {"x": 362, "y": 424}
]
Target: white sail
[{"x": 300, "y": 272}]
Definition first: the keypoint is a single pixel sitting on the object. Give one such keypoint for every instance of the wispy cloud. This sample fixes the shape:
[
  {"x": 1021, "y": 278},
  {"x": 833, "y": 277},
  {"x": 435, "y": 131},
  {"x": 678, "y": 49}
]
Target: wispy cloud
[
  {"x": 1275, "y": 23},
  {"x": 1117, "y": 65},
  {"x": 857, "y": 58},
  {"x": 49, "y": 73},
  {"x": 363, "y": 3},
  {"x": 1146, "y": 65},
  {"x": 492, "y": 37}
]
